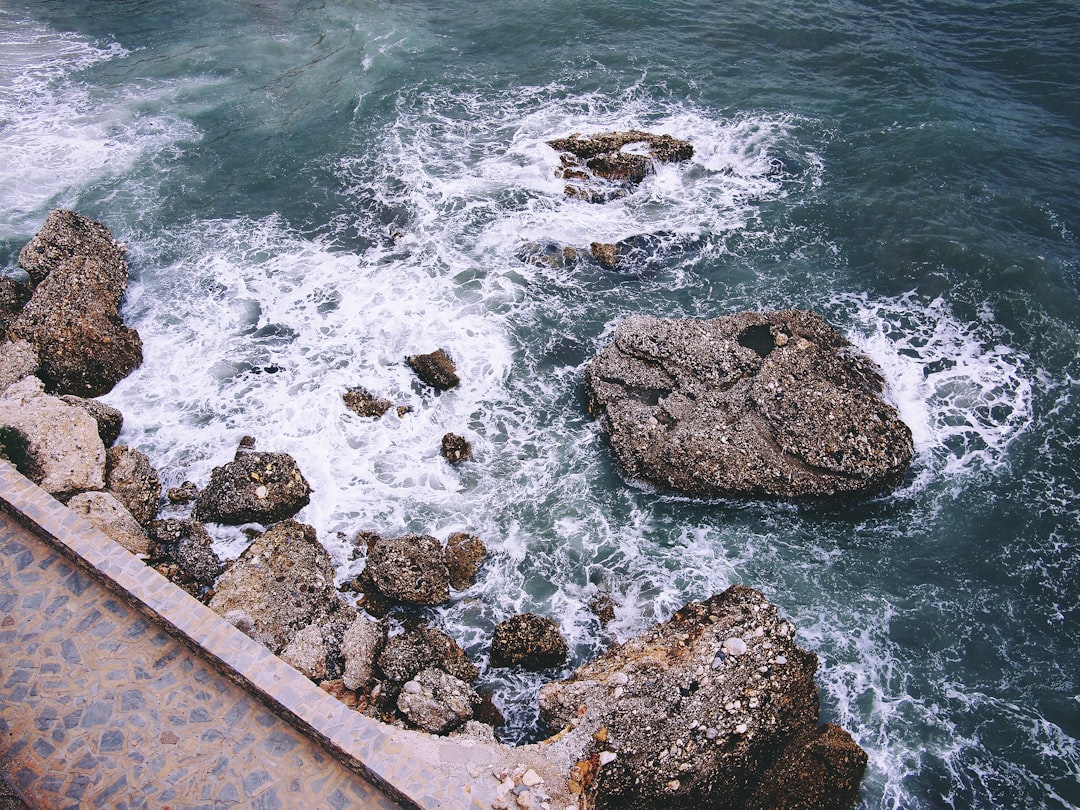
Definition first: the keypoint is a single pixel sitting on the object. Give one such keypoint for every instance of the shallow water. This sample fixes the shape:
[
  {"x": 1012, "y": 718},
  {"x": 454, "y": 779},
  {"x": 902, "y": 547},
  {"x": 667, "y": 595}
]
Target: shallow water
[{"x": 311, "y": 191}]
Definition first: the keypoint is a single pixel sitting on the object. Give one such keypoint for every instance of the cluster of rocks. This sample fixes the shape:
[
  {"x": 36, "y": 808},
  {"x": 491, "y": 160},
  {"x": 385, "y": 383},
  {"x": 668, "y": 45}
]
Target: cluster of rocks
[{"x": 609, "y": 165}]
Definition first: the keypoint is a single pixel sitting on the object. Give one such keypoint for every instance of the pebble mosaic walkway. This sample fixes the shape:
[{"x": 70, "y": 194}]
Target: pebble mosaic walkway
[{"x": 101, "y": 707}]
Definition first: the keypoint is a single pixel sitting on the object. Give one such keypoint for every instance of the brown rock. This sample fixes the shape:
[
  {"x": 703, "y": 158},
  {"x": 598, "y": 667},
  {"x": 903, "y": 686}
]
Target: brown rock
[
  {"x": 528, "y": 641},
  {"x": 131, "y": 477},
  {"x": 456, "y": 449},
  {"x": 253, "y": 488},
  {"x": 604, "y": 169},
  {"x": 363, "y": 403},
  {"x": 465, "y": 554},
  {"x": 435, "y": 369},
  {"x": 404, "y": 655},
  {"x": 410, "y": 569}
]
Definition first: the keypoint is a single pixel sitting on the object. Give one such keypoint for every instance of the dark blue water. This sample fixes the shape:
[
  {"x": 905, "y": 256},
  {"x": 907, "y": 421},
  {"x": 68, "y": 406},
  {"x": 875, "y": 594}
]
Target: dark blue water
[{"x": 311, "y": 191}]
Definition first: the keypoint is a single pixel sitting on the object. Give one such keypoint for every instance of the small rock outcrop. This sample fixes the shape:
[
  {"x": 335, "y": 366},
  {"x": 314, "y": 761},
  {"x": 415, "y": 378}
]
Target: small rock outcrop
[
  {"x": 131, "y": 477},
  {"x": 361, "y": 644},
  {"x": 774, "y": 405},
  {"x": 410, "y": 569},
  {"x": 610, "y": 164},
  {"x": 182, "y": 551},
  {"x": 711, "y": 708},
  {"x": 465, "y": 554},
  {"x": 253, "y": 488},
  {"x": 63, "y": 451},
  {"x": 17, "y": 360},
  {"x": 109, "y": 420},
  {"x": 79, "y": 276},
  {"x": 528, "y": 641},
  {"x": 282, "y": 582},
  {"x": 363, "y": 403},
  {"x": 404, "y": 655},
  {"x": 437, "y": 702},
  {"x": 435, "y": 369},
  {"x": 106, "y": 513},
  {"x": 455, "y": 449}
]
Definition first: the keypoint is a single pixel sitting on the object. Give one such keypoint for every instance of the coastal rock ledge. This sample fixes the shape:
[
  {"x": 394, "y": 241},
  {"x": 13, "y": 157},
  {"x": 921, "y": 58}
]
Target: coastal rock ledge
[{"x": 774, "y": 405}]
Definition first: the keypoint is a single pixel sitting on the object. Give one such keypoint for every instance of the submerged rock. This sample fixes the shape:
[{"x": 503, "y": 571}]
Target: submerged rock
[
  {"x": 361, "y": 644},
  {"x": 670, "y": 720},
  {"x": 771, "y": 404},
  {"x": 528, "y": 641},
  {"x": 435, "y": 369},
  {"x": 620, "y": 160},
  {"x": 253, "y": 488},
  {"x": 455, "y": 449},
  {"x": 72, "y": 319},
  {"x": 363, "y": 403}
]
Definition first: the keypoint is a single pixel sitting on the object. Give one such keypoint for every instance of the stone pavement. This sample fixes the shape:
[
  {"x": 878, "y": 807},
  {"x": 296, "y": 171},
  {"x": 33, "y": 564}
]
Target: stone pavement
[{"x": 101, "y": 707}]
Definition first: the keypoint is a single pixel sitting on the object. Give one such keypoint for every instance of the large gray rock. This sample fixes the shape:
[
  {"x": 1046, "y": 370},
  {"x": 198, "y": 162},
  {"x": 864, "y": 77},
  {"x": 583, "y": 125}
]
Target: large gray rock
[
  {"x": 529, "y": 641},
  {"x": 253, "y": 488},
  {"x": 774, "y": 405},
  {"x": 282, "y": 582},
  {"x": 307, "y": 653},
  {"x": 18, "y": 359},
  {"x": 110, "y": 516},
  {"x": 63, "y": 449},
  {"x": 109, "y": 420},
  {"x": 692, "y": 713},
  {"x": 362, "y": 642},
  {"x": 410, "y": 569},
  {"x": 131, "y": 477},
  {"x": 465, "y": 555},
  {"x": 437, "y": 702},
  {"x": 406, "y": 654},
  {"x": 73, "y": 319}
]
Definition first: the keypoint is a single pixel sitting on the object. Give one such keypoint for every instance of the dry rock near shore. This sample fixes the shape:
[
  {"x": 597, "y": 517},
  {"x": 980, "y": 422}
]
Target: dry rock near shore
[
  {"x": 715, "y": 707},
  {"x": 182, "y": 551},
  {"x": 254, "y": 487},
  {"x": 773, "y": 404},
  {"x": 13, "y": 297},
  {"x": 72, "y": 319},
  {"x": 109, "y": 420},
  {"x": 132, "y": 479}
]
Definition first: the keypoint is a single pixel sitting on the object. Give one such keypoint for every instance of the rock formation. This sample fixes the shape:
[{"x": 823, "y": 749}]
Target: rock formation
[
  {"x": 182, "y": 551},
  {"x": 603, "y": 168},
  {"x": 363, "y": 403},
  {"x": 410, "y": 569},
  {"x": 132, "y": 479},
  {"x": 253, "y": 488},
  {"x": 107, "y": 514},
  {"x": 435, "y": 369},
  {"x": 72, "y": 319},
  {"x": 772, "y": 404},
  {"x": 455, "y": 449},
  {"x": 528, "y": 641},
  {"x": 465, "y": 554}
]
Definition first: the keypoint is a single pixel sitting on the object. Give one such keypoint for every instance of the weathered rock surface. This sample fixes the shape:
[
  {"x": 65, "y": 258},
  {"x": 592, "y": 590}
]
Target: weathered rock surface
[
  {"x": 131, "y": 477},
  {"x": 606, "y": 157},
  {"x": 529, "y": 641},
  {"x": 465, "y": 554},
  {"x": 72, "y": 319},
  {"x": 18, "y": 359},
  {"x": 771, "y": 404},
  {"x": 182, "y": 551},
  {"x": 64, "y": 451},
  {"x": 307, "y": 653},
  {"x": 110, "y": 517},
  {"x": 282, "y": 582},
  {"x": 363, "y": 403},
  {"x": 253, "y": 488},
  {"x": 363, "y": 641},
  {"x": 455, "y": 449},
  {"x": 13, "y": 297},
  {"x": 406, "y": 654},
  {"x": 437, "y": 702},
  {"x": 410, "y": 569},
  {"x": 696, "y": 711},
  {"x": 109, "y": 419},
  {"x": 435, "y": 369}
]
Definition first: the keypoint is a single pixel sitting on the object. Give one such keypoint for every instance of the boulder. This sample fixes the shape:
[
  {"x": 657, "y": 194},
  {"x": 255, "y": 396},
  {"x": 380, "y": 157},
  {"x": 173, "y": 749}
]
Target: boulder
[
  {"x": 410, "y": 569},
  {"x": 18, "y": 359},
  {"x": 455, "y": 449},
  {"x": 695, "y": 712},
  {"x": 406, "y": 654},
  {"x": 182, "y": 550},
  {"x": 72, "y": 319},
  {"x": 306, "y": 653},
  {"x": 109, "y": 419},
  {"x": 437, "y": 702},
  {"x": 131, "y": 477},
  {"x": 435, "y": 369},
  {"x": 64, "y": 453},
  {"x": 603, "y": 168},
  {"x": 775, "y": 405},
  {"x": 363, "y": 403},
  {"x": 529, "y": 641},
  {"x": 363, "y": 641},
  {"x": 13, "y": 297},
  {"x": 282, "y": 582},
  {"x": 253, "y": 488},
  {"x": 183, "y": 494},
  {"x": 109, "y": 516},
  {"x": 465, "y": 554}
]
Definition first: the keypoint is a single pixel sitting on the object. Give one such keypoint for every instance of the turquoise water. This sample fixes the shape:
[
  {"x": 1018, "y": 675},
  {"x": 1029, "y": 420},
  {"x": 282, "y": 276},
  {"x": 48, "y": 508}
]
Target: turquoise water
[{"x": 311, "y": 191}]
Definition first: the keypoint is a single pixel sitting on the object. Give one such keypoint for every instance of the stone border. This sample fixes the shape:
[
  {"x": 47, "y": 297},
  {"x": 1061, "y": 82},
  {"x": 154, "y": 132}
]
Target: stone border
[{"x": 417, "y": 770}]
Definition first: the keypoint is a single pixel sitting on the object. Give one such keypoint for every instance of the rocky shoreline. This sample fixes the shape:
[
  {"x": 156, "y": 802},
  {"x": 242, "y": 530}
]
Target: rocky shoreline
[{"x": 717, "y": 705}]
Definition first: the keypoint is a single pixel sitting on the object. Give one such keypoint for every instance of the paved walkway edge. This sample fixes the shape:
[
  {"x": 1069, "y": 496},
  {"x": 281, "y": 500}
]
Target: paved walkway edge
[{"x": 416, "y": 770}]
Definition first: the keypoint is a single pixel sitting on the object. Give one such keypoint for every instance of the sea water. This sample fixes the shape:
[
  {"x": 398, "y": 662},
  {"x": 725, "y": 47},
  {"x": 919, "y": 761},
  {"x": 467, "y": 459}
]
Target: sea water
[{"x": 311, "y": 191}]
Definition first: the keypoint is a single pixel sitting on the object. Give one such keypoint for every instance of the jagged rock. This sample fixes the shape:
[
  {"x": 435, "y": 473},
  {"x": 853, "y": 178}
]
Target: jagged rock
[
  {"x": 110, "y": 517},
  {"x": 306, "y": 653},
  {"x": 406, "y": 654},
  {"x": 362, "y": 642},
  {"x": 18, "y": 359},
  {"x": 109, "y": 419},
  {"x": 362, "y": 402},
  {"x": 692, "y": 713},
  {"x": 602, "y": 605},
  {"x": 131, "y": 477},
  {"x": 604, "y": 157},
  {"x": 437, "y": 702},
  {"x": 64, "y": 453},
  {"x": 435, "y": 369},
  {"x": 333, "y": 634},
  {"x": 13, "y": 297},
  {"x": 282, "y": 582},
  {"x": 410, "y": 569},
  {"x": 72, "y": 319},
  {"x": 253, "y": 488},
  {"x": 529, "y": 641},
  {"x": 455, "y": 449},
  {"x": 183, "y": 551},
  {"x": 771, "y": 404},
  {"x": 185, "y": 493},
  {"x": 633, "y": 256},
  {"x": 464, "y": 556}
]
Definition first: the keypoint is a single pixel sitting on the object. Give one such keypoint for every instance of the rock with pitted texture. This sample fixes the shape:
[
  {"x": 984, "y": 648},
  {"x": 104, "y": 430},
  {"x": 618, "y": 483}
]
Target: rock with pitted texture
[
  {"x": 361, "y": 644},
  {"x": 13, "y": 297},
  {"x": 528, "y": 641},
  {"x": 182, "y": 550},
  {"x": 465, "y": 554},
  {"x": 610, "y": 164},
  {"x": 109, "y": 420},
  {"x": 18, "y": 360},
  {"x": 695, "y": 712},
  {"x": 437, "y": 702},
  {"x": 253, "y": 488},
  {"x": 406, "y": 654},
  {"x": 435, "y": 369},
  {"x": 775, "y": 405},
  {"x": 131, "y": 477},
  {"x": 410, "y": 569},
  {"x": 364, "y": 403},
  {"x": 112, "y": 519},
  {"x": 455, "y": 449},
  {"x": 72, "y": 319}
]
